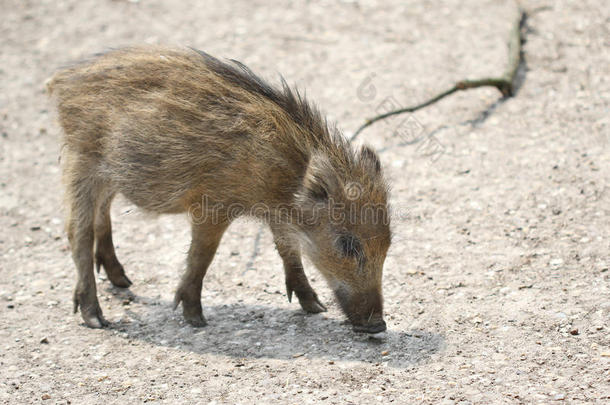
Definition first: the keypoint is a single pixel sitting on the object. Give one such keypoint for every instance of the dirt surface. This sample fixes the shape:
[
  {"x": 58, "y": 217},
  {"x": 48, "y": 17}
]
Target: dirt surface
[{"x": 496, "y": 285}]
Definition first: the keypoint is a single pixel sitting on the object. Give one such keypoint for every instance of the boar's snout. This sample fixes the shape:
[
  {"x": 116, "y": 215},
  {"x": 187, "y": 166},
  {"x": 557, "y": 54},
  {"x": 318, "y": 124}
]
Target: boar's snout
[{"x": 364, "y": 310}]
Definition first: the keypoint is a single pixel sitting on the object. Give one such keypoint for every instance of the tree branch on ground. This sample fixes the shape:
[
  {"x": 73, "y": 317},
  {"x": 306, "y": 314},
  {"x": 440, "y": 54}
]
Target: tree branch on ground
[{"x": 504, "y": 83}]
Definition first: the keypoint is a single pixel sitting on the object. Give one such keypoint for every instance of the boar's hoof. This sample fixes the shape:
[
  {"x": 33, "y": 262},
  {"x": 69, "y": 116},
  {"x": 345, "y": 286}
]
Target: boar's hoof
[
  {"x": 121, "y": 281},
  {"x": 312, "y": 304},
  {"x": 91, "y": 314},
  {"x": 307, "y": 298},
  {"x": 193, "y": 315},
  {"x": 197, "y": 321},
  {"x": 371, "y": 328},
  {"x": 116, "y": 273},
  {"x": 313, "y": 307},
  {"x": 191, "y": 309},
  {"x": 95, "y": 321}
]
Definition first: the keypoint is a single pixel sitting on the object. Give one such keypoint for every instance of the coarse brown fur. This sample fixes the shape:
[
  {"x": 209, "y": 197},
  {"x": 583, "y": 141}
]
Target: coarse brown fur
[{"x": 177, "y": 130}]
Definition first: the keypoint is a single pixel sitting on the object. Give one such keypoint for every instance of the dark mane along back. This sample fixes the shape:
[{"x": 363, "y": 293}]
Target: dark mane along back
[{"x": 289, "y": 100}]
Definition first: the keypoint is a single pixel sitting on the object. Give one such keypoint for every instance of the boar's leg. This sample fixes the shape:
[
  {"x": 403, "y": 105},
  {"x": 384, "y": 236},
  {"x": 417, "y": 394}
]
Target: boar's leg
[
  {"x": 80, "y": 195},
  {"x": 296, "y": 280},
  {"x": 104, "y": 248},
  {"x": 205, "y": 240}
]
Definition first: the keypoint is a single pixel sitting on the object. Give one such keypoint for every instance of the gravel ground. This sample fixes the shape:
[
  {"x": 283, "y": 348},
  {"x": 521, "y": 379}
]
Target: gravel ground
[{"x": 496, "y": 285}]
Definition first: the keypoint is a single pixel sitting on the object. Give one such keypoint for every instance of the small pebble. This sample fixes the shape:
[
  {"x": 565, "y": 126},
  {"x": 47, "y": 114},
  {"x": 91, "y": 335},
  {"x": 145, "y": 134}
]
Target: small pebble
[
  {"x": 385, "y": 352},
  {"x": 574, "y": 331},
  {"x": 44, "y": 397},
  {"x": 556, "y": 262},
  {"x": 44, "y": 341}
]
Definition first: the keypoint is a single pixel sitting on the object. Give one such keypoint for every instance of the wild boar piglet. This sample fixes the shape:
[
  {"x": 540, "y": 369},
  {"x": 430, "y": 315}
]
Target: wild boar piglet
[{"x": 177, "y": 130}]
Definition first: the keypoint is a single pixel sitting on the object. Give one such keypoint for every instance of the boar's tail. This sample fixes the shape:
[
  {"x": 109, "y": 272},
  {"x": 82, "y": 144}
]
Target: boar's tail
[
  {"x": 52, "y": 83},
  {"x": 49, "y": 84}
]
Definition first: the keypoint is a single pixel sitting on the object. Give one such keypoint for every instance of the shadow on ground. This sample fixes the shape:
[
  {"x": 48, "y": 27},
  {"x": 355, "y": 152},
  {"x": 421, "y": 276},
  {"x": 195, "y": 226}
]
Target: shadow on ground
[{"x": 245, "y": 331}]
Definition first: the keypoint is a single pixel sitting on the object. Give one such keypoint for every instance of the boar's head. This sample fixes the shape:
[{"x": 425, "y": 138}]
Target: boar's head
[{"x": 345, "y": 231}]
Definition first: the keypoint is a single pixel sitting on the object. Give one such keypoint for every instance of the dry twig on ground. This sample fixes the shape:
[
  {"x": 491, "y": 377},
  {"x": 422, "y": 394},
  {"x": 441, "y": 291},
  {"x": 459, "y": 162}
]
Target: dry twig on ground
[{"x": 504, "y": 83}]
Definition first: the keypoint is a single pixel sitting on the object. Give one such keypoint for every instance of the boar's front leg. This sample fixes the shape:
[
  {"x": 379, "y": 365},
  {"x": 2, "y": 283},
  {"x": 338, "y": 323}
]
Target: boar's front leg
[
  {"x": 296, "y": 280},
  {"x": 204, "y": 242}
]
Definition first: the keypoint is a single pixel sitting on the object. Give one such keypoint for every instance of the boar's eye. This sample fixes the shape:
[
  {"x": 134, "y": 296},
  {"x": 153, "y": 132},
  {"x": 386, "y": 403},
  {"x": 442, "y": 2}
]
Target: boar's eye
[{"x": 350, "y": 246}]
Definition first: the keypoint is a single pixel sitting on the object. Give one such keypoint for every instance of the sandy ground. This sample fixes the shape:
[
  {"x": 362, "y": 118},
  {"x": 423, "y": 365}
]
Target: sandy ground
[{"x": 497, "y": 283}]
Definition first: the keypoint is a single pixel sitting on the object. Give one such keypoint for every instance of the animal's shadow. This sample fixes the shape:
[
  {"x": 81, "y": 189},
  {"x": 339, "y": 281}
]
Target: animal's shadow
[{"x": 246, "y": 331}]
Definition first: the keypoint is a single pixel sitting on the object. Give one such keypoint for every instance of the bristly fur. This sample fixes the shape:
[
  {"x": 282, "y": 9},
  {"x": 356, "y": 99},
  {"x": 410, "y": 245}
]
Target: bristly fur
[
  {"x": 289, "y": 100},
  {"x": 302, "y": 113},
  {"x": 175, "y": 130}
]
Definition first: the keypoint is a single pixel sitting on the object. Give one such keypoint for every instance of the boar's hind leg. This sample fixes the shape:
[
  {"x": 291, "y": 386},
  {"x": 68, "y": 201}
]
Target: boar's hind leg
[
  {"x": 296, "y": 280},
  {"x": 80, "y": 192},
  {"x": 205, "y": 240},
  {"x": 104, "y": 248}
]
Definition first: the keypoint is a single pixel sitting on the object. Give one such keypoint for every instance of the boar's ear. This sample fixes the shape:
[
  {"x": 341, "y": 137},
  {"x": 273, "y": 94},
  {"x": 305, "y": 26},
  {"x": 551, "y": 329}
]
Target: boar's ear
[
  {"x": 320, "y": 178},
  {"x": 370, "y": 160}
]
